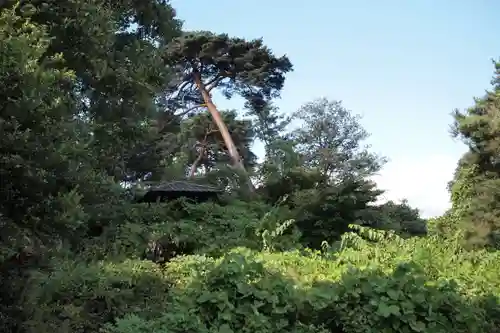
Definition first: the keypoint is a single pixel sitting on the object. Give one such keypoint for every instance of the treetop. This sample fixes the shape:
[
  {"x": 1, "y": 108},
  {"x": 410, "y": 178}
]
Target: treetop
[{"x": 235, "y": 64}]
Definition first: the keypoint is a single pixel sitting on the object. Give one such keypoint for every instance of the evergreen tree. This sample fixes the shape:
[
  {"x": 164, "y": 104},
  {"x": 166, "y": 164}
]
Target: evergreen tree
[
  {"x": 331, "y": 140},
  {"x": 475, "y": 191},
  {"x": 211, "y": 61},
  {"x": 77, "y": 87}
]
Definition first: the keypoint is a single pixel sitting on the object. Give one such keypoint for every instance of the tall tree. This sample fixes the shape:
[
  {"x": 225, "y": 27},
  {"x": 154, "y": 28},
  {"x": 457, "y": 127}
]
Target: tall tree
[
  {"x": 42, "y": 157},
  {"x": 205, "y": 145},
  {"x": 113, "y": 51},
  {"x": 475, "y": 190},
  {"x": 234, "y": 65},
  {"x": 269, "y": 124},
  {"x": 322, "y": 168},
  {"x": 399, "y": 217},
  {"x": 331, "y": 140},
  {"x": 77, "y": 88}
]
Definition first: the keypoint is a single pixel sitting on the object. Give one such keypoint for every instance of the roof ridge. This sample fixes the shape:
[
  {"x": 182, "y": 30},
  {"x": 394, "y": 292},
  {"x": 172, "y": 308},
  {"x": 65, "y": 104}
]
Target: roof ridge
[{"x": 183, "y": 185}]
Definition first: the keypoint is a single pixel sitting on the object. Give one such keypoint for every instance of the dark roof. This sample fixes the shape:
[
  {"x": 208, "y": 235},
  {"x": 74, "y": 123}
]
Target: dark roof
[{"x": 182, "y": 186}]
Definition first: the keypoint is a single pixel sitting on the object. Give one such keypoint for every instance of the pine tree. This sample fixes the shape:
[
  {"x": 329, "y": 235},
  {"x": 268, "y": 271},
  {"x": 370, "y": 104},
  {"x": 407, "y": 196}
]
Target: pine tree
[{"x": 476, "y": 187}]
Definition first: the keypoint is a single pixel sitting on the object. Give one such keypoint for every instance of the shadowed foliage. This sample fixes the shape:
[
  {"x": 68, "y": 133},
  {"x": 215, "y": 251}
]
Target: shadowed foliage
[{"x": 125, "y": 206}]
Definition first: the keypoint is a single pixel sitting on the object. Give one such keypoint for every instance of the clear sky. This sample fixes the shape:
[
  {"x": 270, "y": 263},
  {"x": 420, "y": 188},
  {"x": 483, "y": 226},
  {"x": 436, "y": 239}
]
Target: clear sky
[{"x": 403, "y": 65}]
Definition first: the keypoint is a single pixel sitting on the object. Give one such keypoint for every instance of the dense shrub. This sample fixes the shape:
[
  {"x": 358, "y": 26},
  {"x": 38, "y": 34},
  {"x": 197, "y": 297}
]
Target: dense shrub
[
  {"x": 404, "y": 301},
  {"x": 97, "y": 100},
  {"x": 79, "y": 297},
  {"x": 371, "y": 281},
  {"x": 186, "y": 228},
  {"x": 247, "y": 291}
]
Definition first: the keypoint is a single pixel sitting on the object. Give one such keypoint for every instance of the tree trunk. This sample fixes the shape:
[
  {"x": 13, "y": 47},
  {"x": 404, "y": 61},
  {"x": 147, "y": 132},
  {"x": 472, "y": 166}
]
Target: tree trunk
[
  {"x": 219, "y": 122},
  {"x": 196, "y": 163}
]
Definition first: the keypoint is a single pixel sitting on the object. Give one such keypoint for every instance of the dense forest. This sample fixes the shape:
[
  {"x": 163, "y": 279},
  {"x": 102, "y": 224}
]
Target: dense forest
[{"x": 102, "y": 100}]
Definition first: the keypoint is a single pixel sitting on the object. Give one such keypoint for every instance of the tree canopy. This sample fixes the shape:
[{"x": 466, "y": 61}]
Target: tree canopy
[
  {"x": 206, "y": 61},
  {"x": 232, "y": 64},
  {"x": 474, "y": 189}
]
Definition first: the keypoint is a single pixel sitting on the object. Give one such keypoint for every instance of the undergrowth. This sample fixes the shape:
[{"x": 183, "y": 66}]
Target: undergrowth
[{"x": 370, "y": 281}]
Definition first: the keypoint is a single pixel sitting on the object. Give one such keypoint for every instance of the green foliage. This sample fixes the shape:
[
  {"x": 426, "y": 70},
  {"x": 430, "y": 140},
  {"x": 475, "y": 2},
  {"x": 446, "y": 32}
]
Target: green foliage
[
  {"x": 447, "y": 226},
  {"x": 278, "y": 292},
  {"x": 80, "y": 297},
  {"x": 93, "y": 98},
  {"x": 475, "y": 187},
  {"x": 183, "y": 227},
  {"x": 322, "y": 210},
  {"x": 233, "y": 295},
  {"x": 371, "y": 301},
  {"x": 118, "y": 73},
  {"x": 323, "y": 170},
  {"x": 400, "y": 217},
  {"x": 268, "y": 122},
  {"x": 277, "y": 234},
  {"x": 35, "y": 122},
  {"x": 210, "y": 151},
  {"x": 232, "y": 64},
  {"x": 331, "y": 140}
]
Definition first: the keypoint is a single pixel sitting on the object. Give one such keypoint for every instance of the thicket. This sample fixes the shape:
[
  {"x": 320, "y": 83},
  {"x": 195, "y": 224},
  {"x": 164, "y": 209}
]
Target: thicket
[{"x": 100, "y": 100}]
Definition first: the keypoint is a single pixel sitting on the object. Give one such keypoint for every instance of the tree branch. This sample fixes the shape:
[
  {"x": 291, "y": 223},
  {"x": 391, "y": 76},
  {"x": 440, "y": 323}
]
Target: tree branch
[
  {"x": 196, "y": 163},
  {"x": 203, "y": 152},
  {"x": 185, "y": 112},
  {"x": 183, "y": 85},
  {"x": 213, "y": 83}
]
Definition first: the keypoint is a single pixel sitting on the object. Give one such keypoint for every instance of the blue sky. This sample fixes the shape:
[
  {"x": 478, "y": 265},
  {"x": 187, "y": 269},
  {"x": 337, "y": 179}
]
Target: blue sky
[{"x": 402, "y": 65}]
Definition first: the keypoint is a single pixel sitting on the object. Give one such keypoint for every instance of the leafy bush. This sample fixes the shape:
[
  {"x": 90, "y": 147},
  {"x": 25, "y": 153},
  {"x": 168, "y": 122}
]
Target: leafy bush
[
  {"x": 80, "y": 297},
  {"x": 247, "y": 291},
  {"x": 476, "y": 272},
  {"x": 404, "y": 301},
  {"x": 89, "y": 105},
  {"x": 369, "y": 281},
  {"x": 208, "y": 228},
  {"x": 233, "y": 294}
]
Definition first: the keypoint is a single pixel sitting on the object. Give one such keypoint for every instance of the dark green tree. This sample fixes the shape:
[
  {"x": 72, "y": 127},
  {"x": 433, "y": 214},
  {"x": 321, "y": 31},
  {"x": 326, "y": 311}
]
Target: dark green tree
[
  {"x": 322, "y": 169},
  {"x": 205, "y": 146},
  {"x": 42, "y": 157},
  {"x": 475, "y": 191},
  {"x": 77, "y": 89},
  {"x": 268, "y": 123},
  {"x": 118, "y": 66},
  {"x": 399, "y": 217},
  {"x": 235, "y": 66},
  {"x": 331, "y": 140}
]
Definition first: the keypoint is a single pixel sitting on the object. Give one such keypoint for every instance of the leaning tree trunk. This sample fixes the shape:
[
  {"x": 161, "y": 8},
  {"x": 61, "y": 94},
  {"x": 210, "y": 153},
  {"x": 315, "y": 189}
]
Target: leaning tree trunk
[
  {"x": 196, "y": 163},
  {"x": 226, "y": 136}
]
